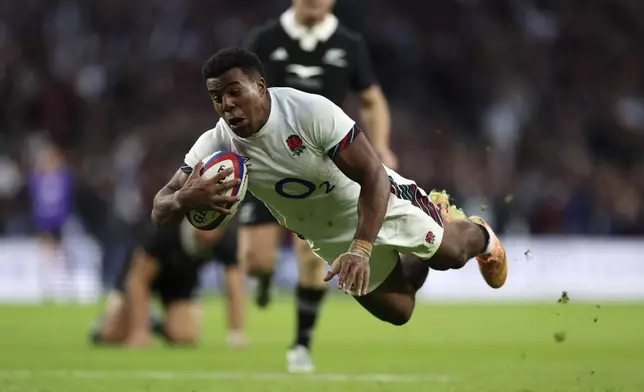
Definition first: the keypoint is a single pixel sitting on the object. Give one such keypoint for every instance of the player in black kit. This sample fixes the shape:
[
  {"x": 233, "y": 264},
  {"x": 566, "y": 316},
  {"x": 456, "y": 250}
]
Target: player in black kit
[
  {"x": 306, "y": 48},
  {"x": 168, "y": 265}
]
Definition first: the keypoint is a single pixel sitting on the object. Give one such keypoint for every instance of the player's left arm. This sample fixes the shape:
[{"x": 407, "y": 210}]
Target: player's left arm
[
  {"x": 373, "y": 104},
  {"x": 359, "y": 162},
  {"x": 332, "y": 131}
]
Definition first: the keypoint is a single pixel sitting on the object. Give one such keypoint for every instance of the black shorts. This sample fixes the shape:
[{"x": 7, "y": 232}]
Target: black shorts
[
  {"x": 178, "y": 278},
  {"x": 225, "y": 251},
  {"x": 171, "y": 285},
  {"x": 253, "y": 212}
]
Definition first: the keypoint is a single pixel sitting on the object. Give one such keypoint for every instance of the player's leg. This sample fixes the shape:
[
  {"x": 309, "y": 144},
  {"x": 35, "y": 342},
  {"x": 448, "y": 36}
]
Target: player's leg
[
  {"x": 235, "y": 306},
  {"x": 183, "y": 321},
  {"x": 492, "y": 261},
  {"x": 458, "y": 241},
  {"x": 183, "y": 316},
  {"x": 462, "y": 240},
  {"x": 226, "y": 254},
  {"x": 430, "y": 237},
  {"x": 394, "y": 299},
  {"x": 112, "y": 327},
  {"x": 309, "y": 294},
  {"x": 259, "y": 238}
]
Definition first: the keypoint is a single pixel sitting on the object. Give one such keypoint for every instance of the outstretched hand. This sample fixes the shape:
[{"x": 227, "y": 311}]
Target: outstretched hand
[{"x": 353, "y": 273}]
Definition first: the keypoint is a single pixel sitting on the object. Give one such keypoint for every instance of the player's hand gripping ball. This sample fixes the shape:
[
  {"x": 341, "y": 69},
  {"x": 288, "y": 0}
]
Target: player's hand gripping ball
[{"x": 219, "y": 182}]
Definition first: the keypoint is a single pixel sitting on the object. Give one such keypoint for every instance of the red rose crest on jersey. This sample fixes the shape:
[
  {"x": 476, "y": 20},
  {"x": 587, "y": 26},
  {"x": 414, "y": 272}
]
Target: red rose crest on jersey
[
  {"x": 295, "y": 144},
  {"x": 429, "y": 238}
]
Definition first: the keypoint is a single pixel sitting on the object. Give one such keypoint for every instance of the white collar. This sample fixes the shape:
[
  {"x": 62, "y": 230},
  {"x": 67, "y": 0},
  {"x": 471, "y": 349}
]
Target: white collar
[{"x": 309, "y": 37}]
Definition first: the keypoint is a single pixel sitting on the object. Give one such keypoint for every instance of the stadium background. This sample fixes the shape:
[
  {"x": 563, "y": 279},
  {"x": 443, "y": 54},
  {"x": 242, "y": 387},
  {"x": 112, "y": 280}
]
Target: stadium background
[{"x": 530, "y": 112}]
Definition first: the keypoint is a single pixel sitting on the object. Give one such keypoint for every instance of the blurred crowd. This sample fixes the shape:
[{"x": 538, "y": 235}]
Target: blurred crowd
[{"x": 529, "y": 112}]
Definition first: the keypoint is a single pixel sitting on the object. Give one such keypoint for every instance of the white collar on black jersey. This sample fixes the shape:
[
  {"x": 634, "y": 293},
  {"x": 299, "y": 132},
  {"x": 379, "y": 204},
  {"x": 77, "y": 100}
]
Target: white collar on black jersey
[{"x": 309, "y": 37}]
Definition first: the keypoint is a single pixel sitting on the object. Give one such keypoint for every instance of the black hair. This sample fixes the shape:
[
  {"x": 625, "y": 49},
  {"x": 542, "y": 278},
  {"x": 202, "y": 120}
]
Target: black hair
[{"x": 228, "y": 58}]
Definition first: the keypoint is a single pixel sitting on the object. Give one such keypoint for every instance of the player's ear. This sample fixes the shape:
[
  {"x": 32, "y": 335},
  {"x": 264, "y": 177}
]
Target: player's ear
[{"x": 261, "y": 86}]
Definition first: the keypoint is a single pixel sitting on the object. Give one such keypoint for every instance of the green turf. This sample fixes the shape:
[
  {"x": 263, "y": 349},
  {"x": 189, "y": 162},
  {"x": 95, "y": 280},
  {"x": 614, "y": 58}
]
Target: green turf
[{"x": 475, "y": 348}]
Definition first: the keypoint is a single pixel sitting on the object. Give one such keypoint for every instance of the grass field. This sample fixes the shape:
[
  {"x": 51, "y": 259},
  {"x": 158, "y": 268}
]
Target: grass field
[{"x": 468, "y": 348}]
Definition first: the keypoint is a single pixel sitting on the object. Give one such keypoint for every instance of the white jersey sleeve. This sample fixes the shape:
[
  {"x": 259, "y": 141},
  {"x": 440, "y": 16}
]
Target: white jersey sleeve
[
  {"x": 213, "y": 140},
  {"x": 330, "y": 129}
]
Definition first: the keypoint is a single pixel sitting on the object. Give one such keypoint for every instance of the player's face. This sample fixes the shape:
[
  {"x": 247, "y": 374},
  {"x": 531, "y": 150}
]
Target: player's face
[
  {"x": 312, "y": 11},
  {"x": 240, "y": 100}
]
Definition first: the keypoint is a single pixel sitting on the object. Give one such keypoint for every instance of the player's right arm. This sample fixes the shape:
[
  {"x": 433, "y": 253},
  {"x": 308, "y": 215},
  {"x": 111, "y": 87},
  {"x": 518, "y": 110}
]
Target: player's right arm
[
  {"x": 187, "y": 190},
  {"x": 167, "y": 207}
]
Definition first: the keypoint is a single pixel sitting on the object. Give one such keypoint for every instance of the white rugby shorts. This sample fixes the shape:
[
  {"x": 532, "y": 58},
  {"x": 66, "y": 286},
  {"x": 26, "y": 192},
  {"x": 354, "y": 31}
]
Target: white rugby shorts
[{"x": 412, "y": 226}]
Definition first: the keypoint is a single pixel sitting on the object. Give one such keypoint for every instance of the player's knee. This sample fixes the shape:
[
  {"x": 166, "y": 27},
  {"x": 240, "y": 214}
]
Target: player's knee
[
  {"x": 311, "y": 272},
  {"x": 460, "y": 259},
  {"x": 256, "y": 262},
  {"x": 398, "y": 314},
  {"x": 401, "y": 316},
  {"x": 181, "y": 333},
  {"x": 308, "y": 260},
  {"x": 182, "y": 338},
  {"x": 448, "y": 260},
  {"x": 183, "y": 324}
]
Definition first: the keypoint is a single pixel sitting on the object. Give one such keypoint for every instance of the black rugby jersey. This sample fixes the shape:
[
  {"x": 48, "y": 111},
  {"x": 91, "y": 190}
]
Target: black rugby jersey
[{"x": 329, "y": 60}]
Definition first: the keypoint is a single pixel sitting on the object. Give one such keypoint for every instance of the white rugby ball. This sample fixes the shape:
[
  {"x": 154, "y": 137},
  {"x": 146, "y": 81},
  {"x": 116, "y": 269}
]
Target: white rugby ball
[{"x": 213, "y": 164}]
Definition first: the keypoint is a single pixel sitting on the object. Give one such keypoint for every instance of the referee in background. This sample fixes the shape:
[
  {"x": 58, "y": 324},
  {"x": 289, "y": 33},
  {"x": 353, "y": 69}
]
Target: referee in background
[{"x": 307, "y": 49}]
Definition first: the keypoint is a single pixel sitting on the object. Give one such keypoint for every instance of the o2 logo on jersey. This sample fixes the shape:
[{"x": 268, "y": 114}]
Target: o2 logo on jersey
[{"x": 308, "y": 189}]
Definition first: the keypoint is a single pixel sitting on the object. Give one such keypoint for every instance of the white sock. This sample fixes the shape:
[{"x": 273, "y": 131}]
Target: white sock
[
  {"x": 489, "y": 246},
  {"x": 235, "y": 339}
]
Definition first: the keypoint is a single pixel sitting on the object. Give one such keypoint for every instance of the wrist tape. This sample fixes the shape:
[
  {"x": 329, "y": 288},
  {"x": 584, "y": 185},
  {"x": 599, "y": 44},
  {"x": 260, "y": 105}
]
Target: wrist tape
[{"x": 361, "y": 249}]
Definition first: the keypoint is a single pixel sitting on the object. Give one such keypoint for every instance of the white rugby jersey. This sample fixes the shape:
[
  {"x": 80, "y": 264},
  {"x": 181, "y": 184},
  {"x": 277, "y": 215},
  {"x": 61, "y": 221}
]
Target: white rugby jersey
[
  {"x": 291, "y": 169},
  {"x": 290, "y": 164}
]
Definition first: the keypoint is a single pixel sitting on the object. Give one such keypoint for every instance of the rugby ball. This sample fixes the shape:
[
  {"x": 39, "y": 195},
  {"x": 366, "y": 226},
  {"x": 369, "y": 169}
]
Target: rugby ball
[{"x": 213, "y": 164}]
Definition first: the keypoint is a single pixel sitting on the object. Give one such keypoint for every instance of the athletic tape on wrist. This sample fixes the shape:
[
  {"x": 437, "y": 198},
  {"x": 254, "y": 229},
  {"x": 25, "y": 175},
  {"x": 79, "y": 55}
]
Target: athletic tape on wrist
[{"x": 361, "y": 248}]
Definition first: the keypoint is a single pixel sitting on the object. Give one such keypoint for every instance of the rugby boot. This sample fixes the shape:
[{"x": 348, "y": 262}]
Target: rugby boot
[{"x": 494, "y": 263}]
